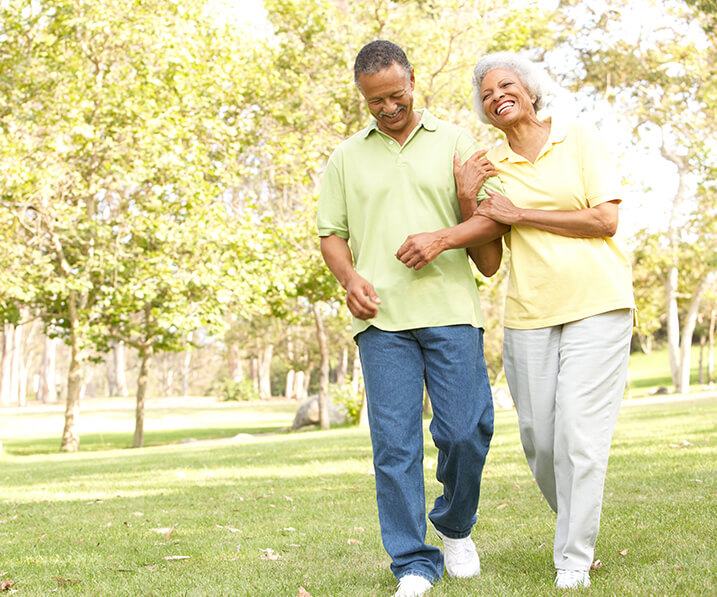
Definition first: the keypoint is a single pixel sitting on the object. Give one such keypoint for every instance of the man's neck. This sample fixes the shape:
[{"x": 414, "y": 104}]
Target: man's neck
[{"x": 402, "y": 136}]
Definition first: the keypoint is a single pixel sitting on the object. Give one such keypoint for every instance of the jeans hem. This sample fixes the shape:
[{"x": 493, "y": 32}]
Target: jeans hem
[
  {"x": 450, "y": 534},
  {"x": 419, "y": 573}
]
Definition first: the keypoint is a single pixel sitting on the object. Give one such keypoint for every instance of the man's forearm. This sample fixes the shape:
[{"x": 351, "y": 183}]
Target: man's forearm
[
  {"x": 475, "y": 231},
  {"x": 420, "y": 249},
  {"x": 337, "y": 256}
]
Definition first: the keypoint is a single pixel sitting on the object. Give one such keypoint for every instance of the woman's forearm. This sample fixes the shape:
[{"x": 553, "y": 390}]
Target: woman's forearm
[{"x": 594, "y": 222}]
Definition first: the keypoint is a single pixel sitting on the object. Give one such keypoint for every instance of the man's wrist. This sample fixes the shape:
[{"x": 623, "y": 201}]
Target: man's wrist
[{"x": 444, "y": 239}]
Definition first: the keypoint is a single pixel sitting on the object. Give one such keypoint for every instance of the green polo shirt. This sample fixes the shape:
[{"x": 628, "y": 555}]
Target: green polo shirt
[{"x": 375, "y": 193}]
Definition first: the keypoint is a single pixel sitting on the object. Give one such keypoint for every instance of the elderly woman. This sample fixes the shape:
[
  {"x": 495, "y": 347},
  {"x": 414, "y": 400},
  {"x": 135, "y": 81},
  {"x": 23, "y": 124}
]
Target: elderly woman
[{"x": 569, "y": 309}]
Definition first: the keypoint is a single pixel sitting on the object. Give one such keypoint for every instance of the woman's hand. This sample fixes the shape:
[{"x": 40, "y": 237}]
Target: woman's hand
[
  {"x": 599, "y": 221},
  {"x": 499, "y": 208},
  {"x": 470, "y": 178}
]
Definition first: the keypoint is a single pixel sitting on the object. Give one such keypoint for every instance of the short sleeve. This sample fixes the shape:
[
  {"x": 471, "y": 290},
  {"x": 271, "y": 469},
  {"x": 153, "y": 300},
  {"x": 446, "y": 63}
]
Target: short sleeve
[
  {"x": 466, "y": 147},
  {"x": 600, "y": 176},
  {"x": 331, "y": 217}
]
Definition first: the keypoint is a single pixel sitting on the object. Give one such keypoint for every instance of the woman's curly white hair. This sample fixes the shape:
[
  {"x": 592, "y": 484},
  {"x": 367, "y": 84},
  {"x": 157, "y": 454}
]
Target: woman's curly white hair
[{"x": 530, "y": 74}]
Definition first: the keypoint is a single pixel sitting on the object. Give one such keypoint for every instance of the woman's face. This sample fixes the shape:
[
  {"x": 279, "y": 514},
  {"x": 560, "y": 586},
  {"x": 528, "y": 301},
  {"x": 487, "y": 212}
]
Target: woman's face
[{"x": 505, "y": 100}]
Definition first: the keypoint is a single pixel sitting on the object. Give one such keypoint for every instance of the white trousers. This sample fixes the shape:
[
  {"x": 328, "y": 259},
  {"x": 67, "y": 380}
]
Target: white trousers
[{"x": 567, "y": 383}]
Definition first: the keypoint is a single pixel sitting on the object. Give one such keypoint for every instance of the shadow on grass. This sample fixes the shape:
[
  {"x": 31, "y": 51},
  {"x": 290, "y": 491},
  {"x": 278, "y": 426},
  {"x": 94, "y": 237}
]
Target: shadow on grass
[{"x": 95, "y": 442}]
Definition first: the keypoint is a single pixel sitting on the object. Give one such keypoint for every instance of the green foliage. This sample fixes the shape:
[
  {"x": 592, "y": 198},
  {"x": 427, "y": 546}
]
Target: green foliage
[
  {"x": 347, "y": 400},
  {"x": 242, "y": 391}
]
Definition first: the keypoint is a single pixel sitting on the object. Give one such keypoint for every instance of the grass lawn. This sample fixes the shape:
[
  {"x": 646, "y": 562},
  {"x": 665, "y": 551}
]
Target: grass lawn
[
  {"x": 650, "y": 371},
  {"x": 264, "y": 515}
]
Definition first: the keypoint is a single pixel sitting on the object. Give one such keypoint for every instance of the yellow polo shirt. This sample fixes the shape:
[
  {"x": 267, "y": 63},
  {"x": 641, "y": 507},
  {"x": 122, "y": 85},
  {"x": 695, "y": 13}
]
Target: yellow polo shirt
[
  {"x": 556, "y": 279},
  {"x": 375, "y": 193}
]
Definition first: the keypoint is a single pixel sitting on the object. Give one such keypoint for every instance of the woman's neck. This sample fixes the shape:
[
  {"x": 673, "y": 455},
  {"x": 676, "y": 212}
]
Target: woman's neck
[{"x": 528, "y": 138}]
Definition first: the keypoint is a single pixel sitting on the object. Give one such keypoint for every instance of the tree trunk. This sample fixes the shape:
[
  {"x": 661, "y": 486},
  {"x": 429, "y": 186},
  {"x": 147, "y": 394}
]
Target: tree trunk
[
  {"x": 234, "y": 362},
  {"x": 358, "y": 389},
  {"x": 186, "y": 371},
  {"x": 342, "y": 371},
  {"x": 6, "y": 364},
  {"x": 711, "y": 346},
  {"x": 688, "y": 330},
  {"x": 110, "y": 374},
  {"x": 356, "y": 373},
  {"x": 289, "y": 387},
  {"x": 168, "y": 377},
  {"x": 324, "y": 421},
  {"x": 645, "y": 341},
  {"x": 701, "y": 365},
  {"x": 70, "y": 434},
  {"x": 306, "y": 381},
  {"x": 254, "y": 372},
  {"x": 17, "y": 358},
  {"x": 138, "y": 440},
  {"x": 265, "y": 372},
  {"x": 363, "y": 414},
  {"x": 672, "y": 274},
  {"x": 47, "y": 390},
  {"x": 673, "y": 328},
  {"x": 301, "y": 386},
  {"x": 119, "y": 353}
]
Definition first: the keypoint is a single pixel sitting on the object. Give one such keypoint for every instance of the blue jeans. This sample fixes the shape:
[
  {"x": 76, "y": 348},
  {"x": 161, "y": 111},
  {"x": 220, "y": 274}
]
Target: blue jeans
[{"x": 395, "y": 366}]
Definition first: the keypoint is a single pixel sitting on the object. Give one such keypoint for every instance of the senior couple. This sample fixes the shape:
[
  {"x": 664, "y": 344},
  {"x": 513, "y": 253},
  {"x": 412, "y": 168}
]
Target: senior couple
[{"x": 403, "y": 204}]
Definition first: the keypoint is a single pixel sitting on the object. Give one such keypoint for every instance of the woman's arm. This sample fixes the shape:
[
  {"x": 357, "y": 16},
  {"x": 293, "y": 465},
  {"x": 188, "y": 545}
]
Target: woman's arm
[
  {"x": 418, "y": 250},
  {"x": 592, "y": 222}
]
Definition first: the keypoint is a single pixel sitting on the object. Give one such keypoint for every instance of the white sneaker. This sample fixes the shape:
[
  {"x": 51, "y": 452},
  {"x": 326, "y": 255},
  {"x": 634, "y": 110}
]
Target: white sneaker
[
  {"x": 412, "y": 585},
  {"x": 461, "y": 557},
  {"x": 572, "y": 579}
]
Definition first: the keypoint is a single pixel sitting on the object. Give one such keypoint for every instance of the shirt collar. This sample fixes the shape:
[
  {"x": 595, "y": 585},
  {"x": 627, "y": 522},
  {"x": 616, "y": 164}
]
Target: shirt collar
[
  {"x": 558, "y": 132},
  {"x": 428, "y": 121}
]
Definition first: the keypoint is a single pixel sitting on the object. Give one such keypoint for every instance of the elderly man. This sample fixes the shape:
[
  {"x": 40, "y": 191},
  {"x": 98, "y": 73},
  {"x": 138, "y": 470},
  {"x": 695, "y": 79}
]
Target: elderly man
[{"x": 416, "y": 312}]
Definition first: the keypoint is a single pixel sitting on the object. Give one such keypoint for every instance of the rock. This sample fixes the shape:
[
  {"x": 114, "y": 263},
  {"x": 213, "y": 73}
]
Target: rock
[{"x": 308, "y": 413}]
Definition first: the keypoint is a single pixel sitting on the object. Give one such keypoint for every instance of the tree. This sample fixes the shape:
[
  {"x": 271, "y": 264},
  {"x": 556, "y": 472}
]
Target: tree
[
  {"x": 663, "y": 82},
  {"x": 311, "y": 105},
  {"x": 115, "y": 119}
]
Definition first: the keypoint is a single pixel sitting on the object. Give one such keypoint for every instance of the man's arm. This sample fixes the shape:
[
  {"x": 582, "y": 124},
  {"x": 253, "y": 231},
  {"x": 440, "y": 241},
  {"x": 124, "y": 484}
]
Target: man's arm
[
  {"x": 361, "y": 298},
  {"x": 480, "y": 235},
  {"x": 477, "y": 234}
]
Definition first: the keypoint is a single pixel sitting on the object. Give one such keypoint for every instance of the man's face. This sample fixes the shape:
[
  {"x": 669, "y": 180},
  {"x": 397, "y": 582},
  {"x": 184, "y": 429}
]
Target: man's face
[{"x": 389, "y": 95}]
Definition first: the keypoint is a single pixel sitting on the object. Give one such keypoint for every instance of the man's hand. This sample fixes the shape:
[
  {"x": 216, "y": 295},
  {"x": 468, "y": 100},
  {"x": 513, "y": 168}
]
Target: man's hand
[
  {"x": 418, "y": 250},
  {"x": 471, "y": 175},
  {"x": 361, "y": 298}
]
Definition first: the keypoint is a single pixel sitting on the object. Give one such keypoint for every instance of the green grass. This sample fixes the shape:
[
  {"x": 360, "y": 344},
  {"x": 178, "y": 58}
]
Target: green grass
[
  {"x": 651, "y": 371},
  {"x": 38, "y": 429},
  {"x": 99, "y": 523}
]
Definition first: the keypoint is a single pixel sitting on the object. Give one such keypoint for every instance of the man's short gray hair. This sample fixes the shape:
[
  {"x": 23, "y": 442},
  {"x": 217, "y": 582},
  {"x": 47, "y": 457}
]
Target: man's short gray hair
[
  {"x": 377, "y": 55},
  {"x": 530, "y": 74}
]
